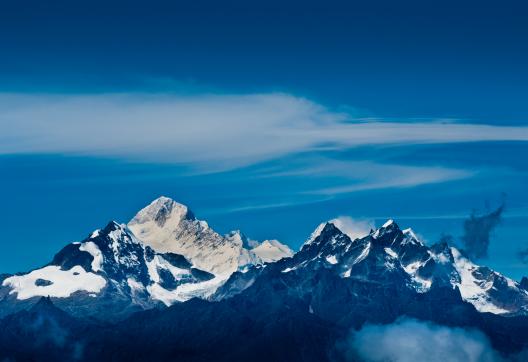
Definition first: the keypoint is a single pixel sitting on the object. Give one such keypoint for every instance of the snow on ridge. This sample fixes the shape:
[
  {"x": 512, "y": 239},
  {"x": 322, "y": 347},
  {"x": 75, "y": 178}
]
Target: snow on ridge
[
  {"x": 134, "y": 285},
  {"x": 411, "y": 237},
  {"x": 186, "y": 291},
  {"x": 54, "y": 282},
  {"x": 239, "y": 238},
  {"x": 354, "y": 229},
  {"x": 382, "y": 229},
  {"x": 91, "y": 248},
  {"x": 364, "y": 253},
  {"x": 422, "y": 285},
  {"x": 331, "y": 259},
  {"x": 470, "y": 290},
  {"x": 315, "y": 234},
  {"x": 388, "y": 223},
  {"x": 391, "y": 252}
]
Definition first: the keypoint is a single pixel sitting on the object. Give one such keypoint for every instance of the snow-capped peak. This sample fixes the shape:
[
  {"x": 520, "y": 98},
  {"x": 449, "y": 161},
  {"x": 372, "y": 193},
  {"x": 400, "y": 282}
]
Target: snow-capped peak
[
  {"x": 253, "y": 252},
  {"x": 272, "y": 250},
  {"x": 167, "y": 226},
  {"x": 315, "y": 234},
  {"x": 410, "y": 237},
  {"x": 354, "y": 229},
  {"x": 388, "y": 227},
  {"x": 237, "y": 237},
  {"x": 160, "y": 211}
]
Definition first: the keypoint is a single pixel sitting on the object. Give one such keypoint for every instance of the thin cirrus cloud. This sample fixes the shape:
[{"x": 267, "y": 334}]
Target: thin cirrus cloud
[
  {"x": 390, "y": 176},
  {"x": 368, "y": 175},
  {"x": 218, "y": 132}
]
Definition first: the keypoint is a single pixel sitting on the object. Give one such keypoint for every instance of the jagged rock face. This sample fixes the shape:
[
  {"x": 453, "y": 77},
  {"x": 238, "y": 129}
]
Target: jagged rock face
[
  {"x": 373, "y": 257},
  {"x": 167, "y": 226},
  {"x": 488, "y": 290}
]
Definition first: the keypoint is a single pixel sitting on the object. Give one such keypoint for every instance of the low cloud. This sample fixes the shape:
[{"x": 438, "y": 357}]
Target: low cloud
[
  {"x": 353, "y": 228},
  {"x": 409, "y": 340}
]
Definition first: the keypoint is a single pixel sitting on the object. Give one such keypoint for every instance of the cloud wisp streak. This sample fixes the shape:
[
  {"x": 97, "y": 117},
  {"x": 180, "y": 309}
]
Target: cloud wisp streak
[
  {"x": 210, "y": 133},
  {"x": 365, "y": 176},
  {"x": 213, "y": 132}
]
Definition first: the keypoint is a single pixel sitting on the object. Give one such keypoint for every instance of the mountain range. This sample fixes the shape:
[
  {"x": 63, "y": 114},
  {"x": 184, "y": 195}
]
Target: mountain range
[
  {"x": 167, "y": 286},
  {"x": 162, "y": 256}
]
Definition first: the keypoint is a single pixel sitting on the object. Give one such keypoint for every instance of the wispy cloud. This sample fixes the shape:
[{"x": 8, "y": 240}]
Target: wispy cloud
[
  {"x": 362, "y": 176},
  {"x": 350, "y": 176},
  {"x": 210, "y": 131}
]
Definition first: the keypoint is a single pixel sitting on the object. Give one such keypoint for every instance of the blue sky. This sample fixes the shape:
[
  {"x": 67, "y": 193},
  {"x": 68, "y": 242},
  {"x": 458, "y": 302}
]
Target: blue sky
[{"x": 268, "y": 118}]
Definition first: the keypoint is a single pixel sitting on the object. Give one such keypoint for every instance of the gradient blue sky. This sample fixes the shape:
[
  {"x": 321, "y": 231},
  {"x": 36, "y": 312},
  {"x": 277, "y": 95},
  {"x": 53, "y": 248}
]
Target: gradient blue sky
[{"x": 266, "y": 117}]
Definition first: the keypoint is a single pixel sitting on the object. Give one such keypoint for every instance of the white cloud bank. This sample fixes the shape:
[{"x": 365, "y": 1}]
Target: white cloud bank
[
  {"x": 226, "y": 129},
  {"x": 409, "y": 340},
  {"x": 216, "y": 132}
]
